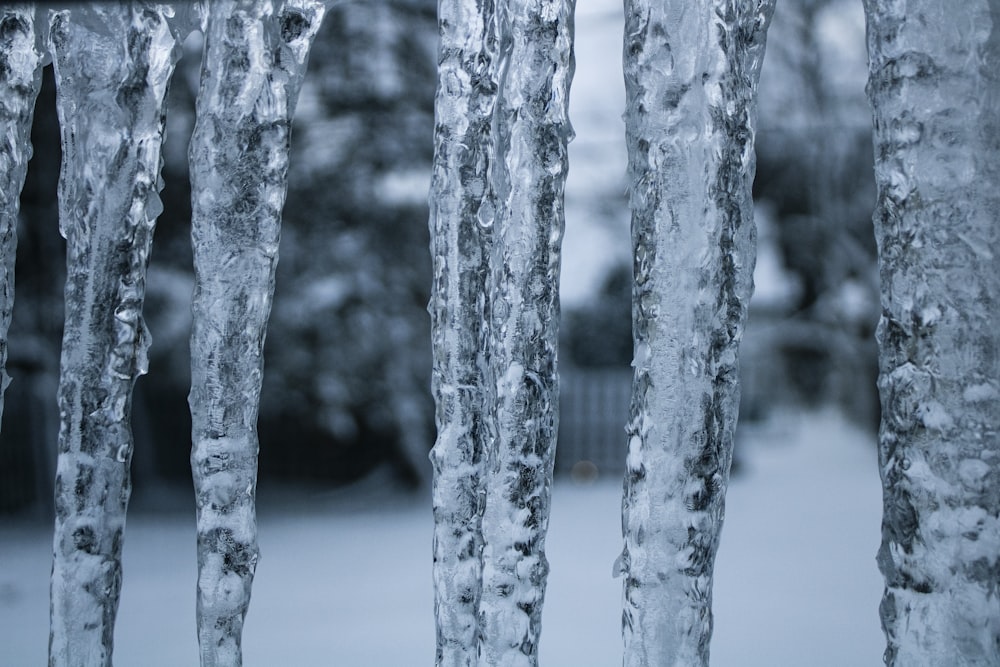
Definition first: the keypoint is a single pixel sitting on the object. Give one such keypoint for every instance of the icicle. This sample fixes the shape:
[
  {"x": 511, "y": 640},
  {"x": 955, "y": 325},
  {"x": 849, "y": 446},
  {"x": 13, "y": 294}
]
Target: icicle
[
  {"x": 532, "y": 130},
  {"x": 112, "y": 66},
  {"x": 934, "y": 85},
  {"x": 461, "y": 223},
  {"x": 20, "y": 79},
  {"x": 254, "y": 62},
  {"x": 691, "y": 72}
]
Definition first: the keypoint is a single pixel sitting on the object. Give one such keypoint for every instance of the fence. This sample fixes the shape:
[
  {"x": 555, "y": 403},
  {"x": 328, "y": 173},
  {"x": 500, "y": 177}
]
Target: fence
[{"x": 593, "y": 412}]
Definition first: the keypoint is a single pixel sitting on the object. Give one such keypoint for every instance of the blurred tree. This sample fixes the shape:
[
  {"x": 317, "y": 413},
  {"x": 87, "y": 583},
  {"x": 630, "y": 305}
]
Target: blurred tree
[
  {"x": 350, "y": 333},
  {"x": 810, "y": 335},
  {"x": 27, "y": 448},
  {"x": 347, "y": 362},
  {"x": 814, "y": 174},
  {"x": 815, "y": 151},
  {"x": 598, "y": 334}
]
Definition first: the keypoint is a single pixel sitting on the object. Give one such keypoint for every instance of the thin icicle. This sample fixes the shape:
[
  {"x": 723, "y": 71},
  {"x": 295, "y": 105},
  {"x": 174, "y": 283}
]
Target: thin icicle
[
  {"x": 254, "y": 62},
  {"x": 934, "y": 85},
  {"x": 112, "y": 66},
  {"x": 532, "y": 130},
  {"x": 461, "y": 223},
  {"x": 691, "y": 71},
  {"x": 21, "y": 57}
]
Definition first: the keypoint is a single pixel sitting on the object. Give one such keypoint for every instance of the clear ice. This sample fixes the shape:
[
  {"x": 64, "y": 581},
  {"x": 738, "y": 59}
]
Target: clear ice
[
  {"x": 253, "y": 65},
  {"x": 21, "y": 56},
  {"x": 533, "y": 130},
  {"x": 461, "y": 224},
  {"x": 497, "y": 221},
  {"x": 691, "y": 72},
  {"x": 934, "y": 86},
  {"x": 112, "y": 66}
]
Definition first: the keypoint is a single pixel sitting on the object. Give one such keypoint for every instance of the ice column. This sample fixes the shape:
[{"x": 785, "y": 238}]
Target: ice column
[
  {"x": 531, "y": 132},
  {"x": 691, "y": 73},
  {"x": 20, "y": 79},
  {"x": 496, "y": 223},
  {"x": 461, "y": 222},
  {"x": 112, "y": 66},
  {"x": 934, "y": 86},
  {"x": 254, "y": 62}
]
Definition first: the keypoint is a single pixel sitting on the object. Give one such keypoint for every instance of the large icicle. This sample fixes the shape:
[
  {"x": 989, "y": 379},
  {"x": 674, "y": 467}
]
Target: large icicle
[
  {"x": 112, "y": 66},
  {"x": 20, "y": 79},
  {"x": 254, "y": 62},
  {"x": 461, "y": 222},
  {"x": 934, "y": 85},
  {"x": 691, "y": 71},
  {"x": 532, "y": 130}
]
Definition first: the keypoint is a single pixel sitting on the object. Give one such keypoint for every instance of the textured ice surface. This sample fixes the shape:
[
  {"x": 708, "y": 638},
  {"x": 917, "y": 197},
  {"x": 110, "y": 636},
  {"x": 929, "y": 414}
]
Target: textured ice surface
[
  {"x": 254, "y": 61},
  {"x": 690, "y": 77},
  {"x": 496, "y": 221},
  {"x": 20, "y": 78},
  {"x": 532, "y": 130},
  {"x": 934, "y": 85},
  {"x": 461, "y": 205},
  {"x": 112, "y": 65}
]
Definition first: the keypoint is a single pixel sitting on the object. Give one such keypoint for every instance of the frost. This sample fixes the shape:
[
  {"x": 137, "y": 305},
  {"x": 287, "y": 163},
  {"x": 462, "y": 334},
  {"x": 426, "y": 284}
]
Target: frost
[
  {"x": 253, "y": 65},
  {"x": 977, "y": 246},
  {"x": 691, "y": 84},
  {"x": 972, "y": 473},
  {"x": 979, "y": 392},
  {"x": 934, "y": 416}
]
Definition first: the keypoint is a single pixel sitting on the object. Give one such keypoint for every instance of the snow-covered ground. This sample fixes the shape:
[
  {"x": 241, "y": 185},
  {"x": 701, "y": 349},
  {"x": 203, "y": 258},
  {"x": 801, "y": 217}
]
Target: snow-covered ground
[{"x": 344, "y": 577}]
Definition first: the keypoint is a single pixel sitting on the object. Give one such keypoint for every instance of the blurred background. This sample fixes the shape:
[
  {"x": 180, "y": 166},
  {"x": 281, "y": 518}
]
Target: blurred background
[
  {"x": 346, "y": 415},
  {"x": 346, "y": 388}
]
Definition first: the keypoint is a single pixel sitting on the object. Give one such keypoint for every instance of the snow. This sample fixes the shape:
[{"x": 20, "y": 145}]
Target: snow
[{"x": 795, "y": 583}]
